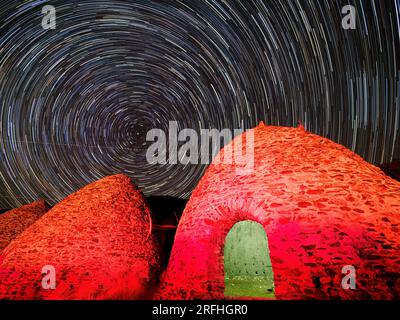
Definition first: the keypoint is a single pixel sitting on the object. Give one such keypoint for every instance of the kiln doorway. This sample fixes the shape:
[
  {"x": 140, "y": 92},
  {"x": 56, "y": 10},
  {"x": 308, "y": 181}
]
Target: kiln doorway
[{"x": 247, "y": 264}]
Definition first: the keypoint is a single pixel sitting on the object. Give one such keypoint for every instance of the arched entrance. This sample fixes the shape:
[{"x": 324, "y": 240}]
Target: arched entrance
[{"x": 247, "y": 264}]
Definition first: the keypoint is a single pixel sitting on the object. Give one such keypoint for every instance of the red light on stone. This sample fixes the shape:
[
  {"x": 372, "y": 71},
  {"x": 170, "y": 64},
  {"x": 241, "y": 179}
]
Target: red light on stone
[
  {"x": 322, "y": 208},
  {"x": 98, "y": 241},
  {"x": 14, "y": 222}
]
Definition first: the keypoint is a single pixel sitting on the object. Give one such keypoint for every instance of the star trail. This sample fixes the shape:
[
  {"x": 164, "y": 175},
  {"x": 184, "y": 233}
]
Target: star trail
[{"x": 77, "y": 102}]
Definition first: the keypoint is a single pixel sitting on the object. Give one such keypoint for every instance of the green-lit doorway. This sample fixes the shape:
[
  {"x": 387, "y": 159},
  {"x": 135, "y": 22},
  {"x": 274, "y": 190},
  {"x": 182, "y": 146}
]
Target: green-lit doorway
[{"x": 247, "y": 264}]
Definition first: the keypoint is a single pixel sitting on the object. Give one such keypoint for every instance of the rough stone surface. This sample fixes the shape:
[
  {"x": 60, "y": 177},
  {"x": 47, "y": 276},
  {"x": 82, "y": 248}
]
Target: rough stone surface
[
  {"x": 14, "y": 222},
  {"x": 98, "y": 240},
  {"x": 322, "y": 207}
]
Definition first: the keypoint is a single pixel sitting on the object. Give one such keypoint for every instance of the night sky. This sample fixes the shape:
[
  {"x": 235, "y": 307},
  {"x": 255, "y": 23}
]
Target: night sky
[{"x": 77, "y": 102}]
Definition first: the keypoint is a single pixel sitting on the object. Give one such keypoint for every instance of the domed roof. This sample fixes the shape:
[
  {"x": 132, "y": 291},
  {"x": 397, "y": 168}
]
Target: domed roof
[
  {"x": 98, "y": 240},
  {"x": 13, "y": 222},
  {"x": 322, "y": 207}
]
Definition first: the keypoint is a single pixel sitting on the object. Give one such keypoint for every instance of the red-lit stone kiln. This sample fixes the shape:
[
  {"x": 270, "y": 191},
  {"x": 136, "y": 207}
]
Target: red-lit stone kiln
[
  {"x": 322, "y": 208},
  {"x": 98, "y": 240},
  {"x": 15, "y": 221}
]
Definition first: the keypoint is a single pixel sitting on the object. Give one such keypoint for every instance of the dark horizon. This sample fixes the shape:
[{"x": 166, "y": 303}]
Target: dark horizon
[{"x": 158, "y": 202}]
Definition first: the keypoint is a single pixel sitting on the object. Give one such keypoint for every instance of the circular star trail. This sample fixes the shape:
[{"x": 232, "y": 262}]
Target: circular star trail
[{"x": 77, "y": 102}]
